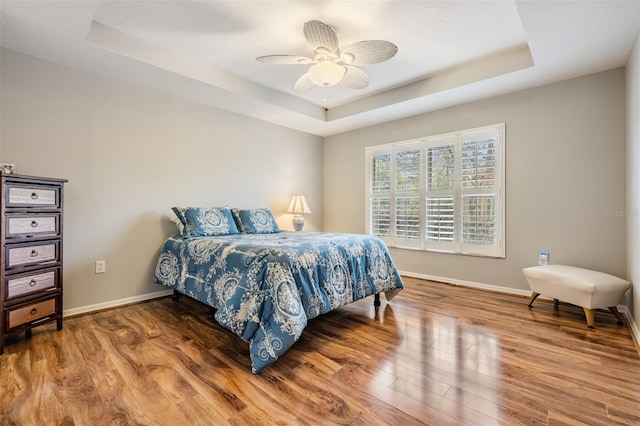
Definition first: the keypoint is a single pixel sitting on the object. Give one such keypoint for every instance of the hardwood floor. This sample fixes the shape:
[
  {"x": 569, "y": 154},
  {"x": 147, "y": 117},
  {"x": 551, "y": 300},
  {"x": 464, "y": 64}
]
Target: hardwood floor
[{"x": 436, "y": 354}]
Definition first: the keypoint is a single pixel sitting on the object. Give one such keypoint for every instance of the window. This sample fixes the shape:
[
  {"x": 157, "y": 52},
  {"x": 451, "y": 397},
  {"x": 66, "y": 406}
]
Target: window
[{"x": 441, "y": 193}]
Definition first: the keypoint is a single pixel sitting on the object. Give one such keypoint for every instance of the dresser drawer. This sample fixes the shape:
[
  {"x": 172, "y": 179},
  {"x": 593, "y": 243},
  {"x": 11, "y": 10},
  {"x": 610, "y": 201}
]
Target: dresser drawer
[
  {"x": 32, "y": 225},
  {"x": 29, "y": 254},
  {"x": 24, "y": 284},
  {"x": 31, "y": 313},
  {"x": 35, "y": 196}
]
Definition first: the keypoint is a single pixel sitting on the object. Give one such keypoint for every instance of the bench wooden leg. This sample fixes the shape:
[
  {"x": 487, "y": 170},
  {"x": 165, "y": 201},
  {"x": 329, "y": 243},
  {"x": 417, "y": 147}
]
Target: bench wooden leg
[
  {"x": 591, "y": 317},
  {"x": 534, "y": 295},
  {"x": 618, "y": 315}
]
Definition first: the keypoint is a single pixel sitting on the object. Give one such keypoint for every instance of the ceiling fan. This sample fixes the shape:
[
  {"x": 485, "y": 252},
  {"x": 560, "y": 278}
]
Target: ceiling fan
[{"x": 332, "y": 65}]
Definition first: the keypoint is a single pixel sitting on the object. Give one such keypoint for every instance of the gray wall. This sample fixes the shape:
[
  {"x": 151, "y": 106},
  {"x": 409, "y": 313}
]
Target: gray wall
[
  {"x": 565, "y": 179},
  {"x": 130, "y": 155},
  {"x": 633, "y": 180}
]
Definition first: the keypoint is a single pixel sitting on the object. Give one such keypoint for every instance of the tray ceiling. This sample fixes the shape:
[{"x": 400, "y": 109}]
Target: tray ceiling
[{"x": 449, "y": 52}]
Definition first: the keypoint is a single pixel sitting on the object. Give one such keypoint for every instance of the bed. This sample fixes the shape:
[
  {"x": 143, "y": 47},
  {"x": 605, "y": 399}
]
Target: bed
[{"x": 264, "y": 287}]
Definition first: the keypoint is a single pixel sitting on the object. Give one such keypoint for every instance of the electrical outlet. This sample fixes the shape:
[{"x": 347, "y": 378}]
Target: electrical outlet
[
  {"x": 101, "y": 266},
  {"x": 543, "y": 258}
]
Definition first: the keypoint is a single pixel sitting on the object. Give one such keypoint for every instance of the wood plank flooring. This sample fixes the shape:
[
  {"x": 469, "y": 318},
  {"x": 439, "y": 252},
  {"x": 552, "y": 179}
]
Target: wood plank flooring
[{"x": 436, "y": 354}]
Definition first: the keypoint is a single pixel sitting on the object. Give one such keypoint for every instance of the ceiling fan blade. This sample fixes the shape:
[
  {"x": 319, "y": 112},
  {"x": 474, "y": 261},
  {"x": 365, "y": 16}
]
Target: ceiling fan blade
[
  {"x": 321, "y": 36},
  {"x": 303, "y": 83},
  {"x": 354, "y": 78},
  {"x": 369, "y": 52},
  {"x": 285, "y": 59}
]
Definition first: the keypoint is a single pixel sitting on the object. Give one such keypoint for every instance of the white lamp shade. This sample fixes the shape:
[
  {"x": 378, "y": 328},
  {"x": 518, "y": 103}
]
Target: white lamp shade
[
  {"x": 298, "y": 205},
  {"x": 326, "y": 73}
]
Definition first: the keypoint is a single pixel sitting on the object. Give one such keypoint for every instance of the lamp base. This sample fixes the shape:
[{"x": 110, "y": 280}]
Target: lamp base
[{"x": 298, "y": 222}]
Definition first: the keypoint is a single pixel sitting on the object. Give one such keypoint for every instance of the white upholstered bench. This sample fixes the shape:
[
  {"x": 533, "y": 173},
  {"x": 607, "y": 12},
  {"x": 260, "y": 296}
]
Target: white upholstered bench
[{"x": 588, "y": 289}]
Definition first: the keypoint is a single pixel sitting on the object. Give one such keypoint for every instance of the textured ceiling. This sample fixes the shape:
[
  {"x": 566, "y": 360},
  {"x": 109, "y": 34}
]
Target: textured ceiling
[{"x": 449, "y": 52}]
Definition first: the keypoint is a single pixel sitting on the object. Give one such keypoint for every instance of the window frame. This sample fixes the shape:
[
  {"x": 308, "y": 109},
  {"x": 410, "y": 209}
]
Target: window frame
[{"x": 492, "y": 133}]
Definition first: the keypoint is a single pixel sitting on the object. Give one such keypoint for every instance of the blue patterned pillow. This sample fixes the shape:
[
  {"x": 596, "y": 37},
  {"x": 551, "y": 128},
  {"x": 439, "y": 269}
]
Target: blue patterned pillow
[
  {"x": 200, "y": 221},
  {"x": 255, "y": 221}
]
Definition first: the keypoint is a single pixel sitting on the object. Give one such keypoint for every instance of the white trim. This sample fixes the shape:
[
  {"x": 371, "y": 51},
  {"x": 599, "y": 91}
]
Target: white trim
[
  {"x": 115, "y": 303},
  {"x": 471, "y": 284},
  {"x": 632, "y": 325}
]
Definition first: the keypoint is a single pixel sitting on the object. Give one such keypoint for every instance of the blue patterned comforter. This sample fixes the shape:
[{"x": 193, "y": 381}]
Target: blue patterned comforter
[{"x": 265, "y": 287}]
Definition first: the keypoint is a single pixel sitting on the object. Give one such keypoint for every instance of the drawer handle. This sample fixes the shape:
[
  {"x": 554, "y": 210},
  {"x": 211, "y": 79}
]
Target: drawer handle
[
  {"x": 32, "y": 283},
  {"x": 34, "y": 195},
  {"x": 34, "y": 224},
  {"x": 34, "y": 253},
  {"x": 34, "y": 311}
]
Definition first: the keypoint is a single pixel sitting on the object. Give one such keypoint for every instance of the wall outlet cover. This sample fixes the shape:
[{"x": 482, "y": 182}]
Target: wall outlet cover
[{"x": 543, "y": 258}]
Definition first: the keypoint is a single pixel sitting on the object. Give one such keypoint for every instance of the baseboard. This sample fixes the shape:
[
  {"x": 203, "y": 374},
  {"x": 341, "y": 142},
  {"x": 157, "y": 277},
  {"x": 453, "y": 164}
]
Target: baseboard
[
  {"x": 635, "y": 331},
  {"x": 472, "y": 284},
  {"x": 115, "y": 303}
]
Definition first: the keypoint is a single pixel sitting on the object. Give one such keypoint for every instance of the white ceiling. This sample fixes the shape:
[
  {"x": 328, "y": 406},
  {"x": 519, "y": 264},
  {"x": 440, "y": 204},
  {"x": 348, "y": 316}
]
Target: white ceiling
[{"x": 449, "y": 52}]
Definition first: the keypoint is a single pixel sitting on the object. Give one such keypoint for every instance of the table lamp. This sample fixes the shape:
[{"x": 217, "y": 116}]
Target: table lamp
[{"x": 298, "y": 207}]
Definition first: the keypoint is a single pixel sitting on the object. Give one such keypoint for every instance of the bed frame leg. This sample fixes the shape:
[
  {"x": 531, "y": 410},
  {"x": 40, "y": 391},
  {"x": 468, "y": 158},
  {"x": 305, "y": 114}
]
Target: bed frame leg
[
  {"x": 176, "y": 295},
  {"x": 211, "y": 313},
  {"x": 376, "y": 299}
]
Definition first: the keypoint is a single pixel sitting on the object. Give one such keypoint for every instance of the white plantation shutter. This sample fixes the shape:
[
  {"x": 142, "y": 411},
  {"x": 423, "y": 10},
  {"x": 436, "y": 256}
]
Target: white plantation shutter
[
  {"x": 478, "y": 197},
  {"x": 478, "y": 219},
  {"x": 380, "y": 217},
  {"x": 381, "y": 174},
  {"x": 440, "y": 219},
  {"x": 442, "y": 193},
  {"x": 479, "y": 164},
  {"x": 407, "y": 195},
  {"x": 408, "y": 218},
  {"x": 481, "y": 186},
  {"x": 380, "y": 196}
]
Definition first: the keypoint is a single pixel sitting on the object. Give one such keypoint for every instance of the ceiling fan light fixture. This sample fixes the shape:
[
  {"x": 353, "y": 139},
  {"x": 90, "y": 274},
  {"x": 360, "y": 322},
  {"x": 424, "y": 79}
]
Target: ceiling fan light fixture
[
  {"x": 326, "y": 73},
  {"x": 332, "y": 64}
]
